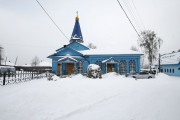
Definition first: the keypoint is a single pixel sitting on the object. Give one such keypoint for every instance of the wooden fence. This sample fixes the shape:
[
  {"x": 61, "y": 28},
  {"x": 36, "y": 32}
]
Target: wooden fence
[{"x": 19, "y": 76}]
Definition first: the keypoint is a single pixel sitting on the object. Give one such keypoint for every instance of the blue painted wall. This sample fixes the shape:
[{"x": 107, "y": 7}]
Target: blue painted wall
[{"x": 172, "y": 70}]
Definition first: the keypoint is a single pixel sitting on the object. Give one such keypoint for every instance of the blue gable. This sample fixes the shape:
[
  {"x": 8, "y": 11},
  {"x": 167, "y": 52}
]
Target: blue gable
[
  {"x": 78, "y": 46},
  {"x": 67, "y": 51},
  {"x": 75, "y": 46},
  {"x": 67, "y": 60}
]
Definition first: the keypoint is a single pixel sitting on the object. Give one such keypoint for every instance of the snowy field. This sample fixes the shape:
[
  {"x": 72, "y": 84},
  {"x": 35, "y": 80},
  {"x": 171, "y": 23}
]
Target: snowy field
[{"x": 113, "y": 97}]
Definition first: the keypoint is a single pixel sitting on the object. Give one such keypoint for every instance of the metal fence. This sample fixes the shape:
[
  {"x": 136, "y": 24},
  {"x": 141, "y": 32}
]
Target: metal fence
[{"x": 19, "y": 76}]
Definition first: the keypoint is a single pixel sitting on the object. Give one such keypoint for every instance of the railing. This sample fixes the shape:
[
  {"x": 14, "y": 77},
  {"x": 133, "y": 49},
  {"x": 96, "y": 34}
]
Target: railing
[{"x": 19, "y": 76}]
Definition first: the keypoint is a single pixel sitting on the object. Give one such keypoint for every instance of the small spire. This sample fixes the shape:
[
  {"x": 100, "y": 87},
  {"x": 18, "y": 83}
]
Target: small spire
[
  {"x": 76, "y": 34},
  {"x": 77, "y": 18}
]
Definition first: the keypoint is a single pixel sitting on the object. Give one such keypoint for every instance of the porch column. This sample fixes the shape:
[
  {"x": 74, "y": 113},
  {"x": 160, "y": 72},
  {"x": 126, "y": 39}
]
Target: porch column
[
  {"x": 75, "y": 68},
  {"x": 60, "y": 69},
  {"x": 118, "y": 68},
  {"x": 106, "y": 67}
]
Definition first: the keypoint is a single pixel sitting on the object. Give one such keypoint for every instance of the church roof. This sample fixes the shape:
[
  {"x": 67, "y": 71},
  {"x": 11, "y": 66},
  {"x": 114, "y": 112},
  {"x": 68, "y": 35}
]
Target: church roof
[
  {"x": 76, "y": 34},
  {"x": 109, "y": 52}
]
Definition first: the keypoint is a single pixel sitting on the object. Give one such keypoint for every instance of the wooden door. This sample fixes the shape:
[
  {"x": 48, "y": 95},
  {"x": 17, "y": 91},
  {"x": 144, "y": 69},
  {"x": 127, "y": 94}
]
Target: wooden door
[
  {"x": 109, "y": 68},
  {"x": 58, "y": 70},
  {"x": 70, "y": 68}
]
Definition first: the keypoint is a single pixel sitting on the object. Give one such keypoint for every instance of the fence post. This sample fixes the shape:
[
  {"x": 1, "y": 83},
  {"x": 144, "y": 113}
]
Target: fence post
[
  {"x": 32, "y": 74},
  {"x": 4, "y": 78}
]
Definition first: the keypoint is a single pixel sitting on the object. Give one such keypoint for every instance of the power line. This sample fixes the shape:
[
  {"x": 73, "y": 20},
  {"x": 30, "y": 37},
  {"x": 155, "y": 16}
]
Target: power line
[
  {"x": 128, "y": 18},
  {"x": 52, "y": 20},
  {"x": 138, "y": 15},
  {"x": 132, "y": 15}
]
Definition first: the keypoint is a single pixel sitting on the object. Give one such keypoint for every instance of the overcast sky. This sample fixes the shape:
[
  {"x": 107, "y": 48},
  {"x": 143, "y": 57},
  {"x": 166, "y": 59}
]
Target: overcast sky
[{"x": 26, "y": 31}]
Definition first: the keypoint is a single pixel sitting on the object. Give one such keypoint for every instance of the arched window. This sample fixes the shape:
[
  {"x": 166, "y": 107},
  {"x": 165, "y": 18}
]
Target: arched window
[
  {"x": 132, "y": 66},
  {"x": 172, "y": 70},
  {"x": 167, "y": 70},
  {"x": 122, "y": 67},
  {"x": 164, "y": 70}
]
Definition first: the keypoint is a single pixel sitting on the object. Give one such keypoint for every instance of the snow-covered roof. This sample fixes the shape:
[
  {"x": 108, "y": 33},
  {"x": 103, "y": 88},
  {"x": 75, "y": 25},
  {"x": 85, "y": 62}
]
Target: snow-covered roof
[
  {"x": 8, "y": 63},
  {"x": 6, "y": 67},
  {"x": 26, "y": 65},
  {"x": 108, "y": 52},
  {"x": 45, "y": 63},
  {"x": 171, "y": 58}
]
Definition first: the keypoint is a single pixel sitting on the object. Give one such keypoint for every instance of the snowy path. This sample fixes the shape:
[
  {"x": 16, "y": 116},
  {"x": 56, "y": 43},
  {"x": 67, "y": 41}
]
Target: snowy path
[
  {"x": 80, "y": 98},
  {"x": 140, "y": 105}
]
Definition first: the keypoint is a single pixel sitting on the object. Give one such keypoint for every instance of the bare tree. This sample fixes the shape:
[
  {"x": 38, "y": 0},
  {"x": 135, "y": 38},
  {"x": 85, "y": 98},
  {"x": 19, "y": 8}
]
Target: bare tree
[
  {"x": 134, "y": 48},
  {"x": 35, "y": 61},
  {"x": 150, "y": 44},
  {"x": 92, "y": 46},
  {"x": 1, "y": 55}
]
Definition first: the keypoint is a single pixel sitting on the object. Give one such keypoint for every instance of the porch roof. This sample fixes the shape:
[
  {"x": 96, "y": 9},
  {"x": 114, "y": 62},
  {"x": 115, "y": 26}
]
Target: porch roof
[
  {"x": 67, "y": 60},
  {"x": 110, "y": 60}
]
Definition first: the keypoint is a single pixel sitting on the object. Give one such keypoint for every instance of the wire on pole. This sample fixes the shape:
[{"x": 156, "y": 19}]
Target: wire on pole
[
  {"x": 52, "y": 20},
  {"x": 128, "y": 19}
]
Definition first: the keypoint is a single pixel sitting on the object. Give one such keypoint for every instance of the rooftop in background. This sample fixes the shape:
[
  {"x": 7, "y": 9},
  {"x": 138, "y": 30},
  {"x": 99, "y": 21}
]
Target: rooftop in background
[
  {"x": 45, "y": 63},
  {"x": 170, "y": 58},
  {"x": 8, "y": 63},
  {"x": 42, "y": 64}
]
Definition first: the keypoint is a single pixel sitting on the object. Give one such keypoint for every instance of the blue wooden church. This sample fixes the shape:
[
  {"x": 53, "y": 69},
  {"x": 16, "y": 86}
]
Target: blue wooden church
[{"x": 75, "y": 57}]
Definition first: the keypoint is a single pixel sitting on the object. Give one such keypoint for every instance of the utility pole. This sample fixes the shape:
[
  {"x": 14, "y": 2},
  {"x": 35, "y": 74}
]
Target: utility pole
[
  {"x": 5, "y": 60},
  {"x": 16, "y": 61},
  {"x": 159, "y": 41},
  {"x": 1, "y": 58},
  {"x": 159, "y": 62}
]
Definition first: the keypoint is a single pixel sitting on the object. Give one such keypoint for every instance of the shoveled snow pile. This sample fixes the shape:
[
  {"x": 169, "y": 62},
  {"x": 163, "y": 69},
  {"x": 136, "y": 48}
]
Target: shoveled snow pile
[{"x": 113, "y": 97}]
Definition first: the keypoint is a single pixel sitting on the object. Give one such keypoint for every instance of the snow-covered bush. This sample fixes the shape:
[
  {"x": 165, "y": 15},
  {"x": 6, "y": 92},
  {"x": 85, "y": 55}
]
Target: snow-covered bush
[
  {"x": 51, "y": 76},
  {"x": 94, "y": 71}
]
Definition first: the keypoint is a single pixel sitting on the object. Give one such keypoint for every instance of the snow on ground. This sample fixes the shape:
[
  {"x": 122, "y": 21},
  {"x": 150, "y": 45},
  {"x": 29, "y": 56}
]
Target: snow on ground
[{"x": 113, "y": 97}]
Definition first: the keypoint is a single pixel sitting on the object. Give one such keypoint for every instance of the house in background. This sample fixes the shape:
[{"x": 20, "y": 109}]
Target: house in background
[
  {"x": 170, "y": 64},
  {"x": 75, "y": 57}
]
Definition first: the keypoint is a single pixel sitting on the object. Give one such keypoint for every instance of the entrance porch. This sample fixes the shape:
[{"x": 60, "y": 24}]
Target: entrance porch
[{"x": 66, "y": 66}]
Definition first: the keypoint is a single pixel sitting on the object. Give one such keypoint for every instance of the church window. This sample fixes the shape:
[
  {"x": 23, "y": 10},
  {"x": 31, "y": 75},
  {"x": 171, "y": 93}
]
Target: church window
[
  {"x": 132, "y": 66},
  {"x": 122, "y": 67}
]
